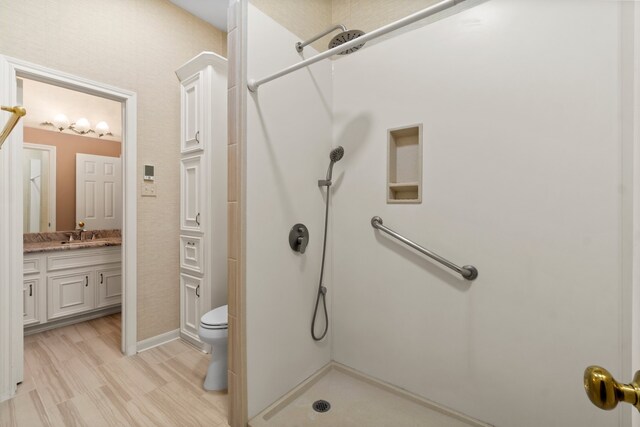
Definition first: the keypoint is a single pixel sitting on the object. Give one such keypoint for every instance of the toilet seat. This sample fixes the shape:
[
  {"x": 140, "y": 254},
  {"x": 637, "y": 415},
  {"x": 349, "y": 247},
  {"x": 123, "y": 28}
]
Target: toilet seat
[{"x": 215, "y": 319}]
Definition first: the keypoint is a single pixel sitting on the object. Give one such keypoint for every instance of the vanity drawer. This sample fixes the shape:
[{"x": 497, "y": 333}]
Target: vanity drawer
[
  {"x": 30, "y": 265},
  {"x": 79, "y": 258},
  {"x": 191, "y": 254}
]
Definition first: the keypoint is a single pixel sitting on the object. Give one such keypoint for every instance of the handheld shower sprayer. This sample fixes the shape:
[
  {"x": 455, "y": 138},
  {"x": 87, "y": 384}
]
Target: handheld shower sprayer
[{"x": 335, "y": 156}]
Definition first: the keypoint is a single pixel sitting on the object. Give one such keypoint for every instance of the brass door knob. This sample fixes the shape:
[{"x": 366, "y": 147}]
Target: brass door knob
[{"x": 605, "y": 392}]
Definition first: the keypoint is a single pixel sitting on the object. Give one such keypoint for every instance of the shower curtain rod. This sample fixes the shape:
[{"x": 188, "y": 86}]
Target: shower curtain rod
[
  {"x": 431, "y": 10},
  {"x": 18, "y": 112}
]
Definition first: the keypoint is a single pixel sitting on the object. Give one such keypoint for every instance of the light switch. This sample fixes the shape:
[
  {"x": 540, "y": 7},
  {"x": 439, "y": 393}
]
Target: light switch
[{"x": 149, "y": 189}]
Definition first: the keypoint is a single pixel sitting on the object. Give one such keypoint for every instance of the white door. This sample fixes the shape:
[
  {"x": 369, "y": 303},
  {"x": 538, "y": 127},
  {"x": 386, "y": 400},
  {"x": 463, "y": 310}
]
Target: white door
[
  {"x": 192, "y": 194},
  {"x": 35, "y": 192},
  {"x": 70, "y": 293},
  {"x": 98, "y": 192},
  {"x": 191, "y": 110},
  {"x": 30, "y": 306},
  {"x": 190, "y": 299},
  {"x": 109, "y": 284}
]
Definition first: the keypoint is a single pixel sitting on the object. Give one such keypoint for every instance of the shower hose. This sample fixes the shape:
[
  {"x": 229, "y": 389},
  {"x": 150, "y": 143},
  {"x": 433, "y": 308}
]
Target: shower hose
[{"x": 322, "y": 290}]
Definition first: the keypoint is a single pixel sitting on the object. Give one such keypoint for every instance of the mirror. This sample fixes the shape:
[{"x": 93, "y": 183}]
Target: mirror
[{"x": 71, "y": 160}]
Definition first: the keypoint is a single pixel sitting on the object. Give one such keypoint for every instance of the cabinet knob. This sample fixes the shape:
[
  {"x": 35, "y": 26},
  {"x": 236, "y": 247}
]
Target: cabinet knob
[
  {"x": 101, "y": 278},
  {"x": 198, "y": 137},
  {"x": 86, "y": 281},
  {"x": 198, "y": 218},
  {"x": 31, "y": 289},
  {"x": 198, "y": 291}
]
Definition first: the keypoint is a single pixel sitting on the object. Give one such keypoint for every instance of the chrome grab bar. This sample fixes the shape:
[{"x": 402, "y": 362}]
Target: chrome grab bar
[{"x": 468, "y": 272}]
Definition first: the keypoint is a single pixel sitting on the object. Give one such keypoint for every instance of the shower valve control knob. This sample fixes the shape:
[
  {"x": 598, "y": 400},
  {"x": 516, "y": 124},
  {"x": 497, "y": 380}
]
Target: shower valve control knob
[{"x": 299, "y": 238}]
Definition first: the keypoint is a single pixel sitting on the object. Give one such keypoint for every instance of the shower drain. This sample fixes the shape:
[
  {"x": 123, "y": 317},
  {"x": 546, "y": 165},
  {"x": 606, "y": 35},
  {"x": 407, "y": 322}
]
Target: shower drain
[{"x": 321, "y": 406}]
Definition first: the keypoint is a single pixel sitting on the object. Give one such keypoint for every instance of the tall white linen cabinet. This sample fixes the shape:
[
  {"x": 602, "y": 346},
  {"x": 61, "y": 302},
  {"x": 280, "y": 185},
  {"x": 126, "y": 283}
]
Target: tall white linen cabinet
[{"x": 203, "y": 190}]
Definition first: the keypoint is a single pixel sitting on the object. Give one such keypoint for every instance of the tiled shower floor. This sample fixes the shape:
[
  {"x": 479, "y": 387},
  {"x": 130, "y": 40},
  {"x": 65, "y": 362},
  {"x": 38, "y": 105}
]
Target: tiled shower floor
[{"x": 356, "y": 401}]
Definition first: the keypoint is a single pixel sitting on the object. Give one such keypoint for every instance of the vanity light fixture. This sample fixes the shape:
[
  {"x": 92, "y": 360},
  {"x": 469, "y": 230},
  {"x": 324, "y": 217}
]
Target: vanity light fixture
[
  {"x": 80, "y": 126},
  {"x": 60, "y": 122}
]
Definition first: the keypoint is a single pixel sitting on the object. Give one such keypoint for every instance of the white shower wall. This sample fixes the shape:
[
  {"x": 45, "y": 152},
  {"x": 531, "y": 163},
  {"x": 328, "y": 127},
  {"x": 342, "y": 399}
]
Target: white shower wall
[
  {"x": 520, "y": 104},
  {"x": 289, "y": 134}
]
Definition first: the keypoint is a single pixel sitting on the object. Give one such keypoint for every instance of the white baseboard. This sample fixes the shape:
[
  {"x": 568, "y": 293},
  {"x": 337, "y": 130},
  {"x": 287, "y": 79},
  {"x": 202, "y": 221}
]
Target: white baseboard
[
  {"x": 158, "y": 340},
  {"x": 200, "y": 346}
]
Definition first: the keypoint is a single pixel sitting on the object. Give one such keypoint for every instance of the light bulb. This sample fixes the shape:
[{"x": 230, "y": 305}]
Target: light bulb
[
  {"x": 61, "y": 122},
  {"x": 82, "y": 125},
  {"x": 102, "y": 128}
]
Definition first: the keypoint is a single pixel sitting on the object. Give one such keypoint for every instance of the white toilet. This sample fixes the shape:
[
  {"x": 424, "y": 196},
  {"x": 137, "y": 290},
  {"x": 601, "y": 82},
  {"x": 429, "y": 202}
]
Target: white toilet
[{"x": 213, "y": 331}]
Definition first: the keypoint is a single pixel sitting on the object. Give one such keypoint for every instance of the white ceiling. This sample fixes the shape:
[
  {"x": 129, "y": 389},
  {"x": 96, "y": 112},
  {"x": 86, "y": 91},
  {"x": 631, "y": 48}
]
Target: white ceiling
[{"x": 212, "y": 11}]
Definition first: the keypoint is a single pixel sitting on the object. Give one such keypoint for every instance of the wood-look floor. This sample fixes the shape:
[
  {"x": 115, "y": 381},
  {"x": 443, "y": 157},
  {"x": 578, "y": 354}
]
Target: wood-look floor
[{"x": 76, "y": 376}]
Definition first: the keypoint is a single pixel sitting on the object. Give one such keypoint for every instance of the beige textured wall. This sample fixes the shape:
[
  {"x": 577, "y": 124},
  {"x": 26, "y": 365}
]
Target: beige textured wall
[
  {"x": 135, "y": 45},
  {"x": 309, "y": 17}
]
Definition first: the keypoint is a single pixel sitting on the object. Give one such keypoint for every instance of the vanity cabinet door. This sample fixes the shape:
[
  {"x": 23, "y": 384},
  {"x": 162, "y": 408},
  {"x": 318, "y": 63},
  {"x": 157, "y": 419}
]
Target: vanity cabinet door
[
  {"x": 191, "y": 139},
  {"x": 190, "y": 291},
  {"x": 30, "y": 301},
  {"x": 109, "y": 286},
  {"x": 70, "y": 293},
  {"x": 191, "y": 196}
]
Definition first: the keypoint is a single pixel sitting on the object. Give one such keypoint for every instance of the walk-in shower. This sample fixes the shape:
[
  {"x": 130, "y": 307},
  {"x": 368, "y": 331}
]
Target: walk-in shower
[{"x": 335, "y": 156}]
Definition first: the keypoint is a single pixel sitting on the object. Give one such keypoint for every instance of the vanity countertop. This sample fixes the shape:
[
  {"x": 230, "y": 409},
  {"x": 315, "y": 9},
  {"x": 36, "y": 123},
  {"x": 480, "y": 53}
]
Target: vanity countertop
[{"x": 59, "y": 241}]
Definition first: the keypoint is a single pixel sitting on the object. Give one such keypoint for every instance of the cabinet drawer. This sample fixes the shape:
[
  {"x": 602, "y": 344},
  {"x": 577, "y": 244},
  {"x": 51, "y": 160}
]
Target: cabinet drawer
[
  {"x": 31, "y": 265},
  {"x": 191, "y": 254},
  {"x": 70, "y": 293},
  {"x": 30, "y": 291},
  {"x": 83, "y": 258},
  {"x": 109, "y": 284}
]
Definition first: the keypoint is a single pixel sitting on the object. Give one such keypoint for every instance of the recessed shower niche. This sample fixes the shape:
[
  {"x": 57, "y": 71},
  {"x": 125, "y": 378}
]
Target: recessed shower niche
[{"x": 404, "y": 165}]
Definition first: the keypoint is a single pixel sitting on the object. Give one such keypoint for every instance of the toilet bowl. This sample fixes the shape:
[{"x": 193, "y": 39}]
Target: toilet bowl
[{"x": 214, "y": 331}]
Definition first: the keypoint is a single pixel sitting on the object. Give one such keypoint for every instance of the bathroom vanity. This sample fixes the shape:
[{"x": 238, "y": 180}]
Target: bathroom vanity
[{"x": 69, "y": 281}]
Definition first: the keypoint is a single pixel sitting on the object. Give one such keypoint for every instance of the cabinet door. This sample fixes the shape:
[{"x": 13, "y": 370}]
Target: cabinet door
[
  {"x": 70, "y": 293},
  {"x": 191, "y": 197},
  {"x": 190, "y": 300},
  {"x": 30, "y": 301},
  {"x": 191, "y": 90},
  {"x": 109, "y": 286}
]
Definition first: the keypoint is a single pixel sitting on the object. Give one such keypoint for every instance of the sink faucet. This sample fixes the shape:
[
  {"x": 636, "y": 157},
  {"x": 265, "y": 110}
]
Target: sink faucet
[{"x": 83, "y": 232}]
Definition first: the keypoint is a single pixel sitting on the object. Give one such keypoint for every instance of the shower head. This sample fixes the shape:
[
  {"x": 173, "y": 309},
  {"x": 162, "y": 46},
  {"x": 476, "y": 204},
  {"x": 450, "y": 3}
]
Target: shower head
[
  {"x": 336, "y": 154},
  {"x": 344, "y": 37}
]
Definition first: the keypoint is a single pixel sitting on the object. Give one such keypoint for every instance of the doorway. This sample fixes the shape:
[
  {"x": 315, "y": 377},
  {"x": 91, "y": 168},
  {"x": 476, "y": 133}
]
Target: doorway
[{"x": 12, "y": 71}]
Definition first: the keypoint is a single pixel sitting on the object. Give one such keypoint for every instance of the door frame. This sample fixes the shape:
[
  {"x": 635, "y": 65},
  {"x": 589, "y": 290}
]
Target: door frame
[
  {"x": 11, "y": 249},
  {"x": 52, "y": 177}
]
